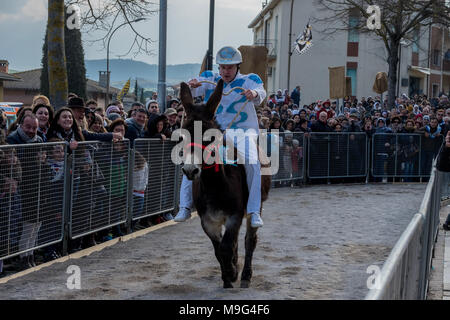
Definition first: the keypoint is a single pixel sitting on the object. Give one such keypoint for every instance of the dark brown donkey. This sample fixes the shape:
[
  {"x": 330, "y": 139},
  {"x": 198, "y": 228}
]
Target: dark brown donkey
[{"x": 220, "y": 194}]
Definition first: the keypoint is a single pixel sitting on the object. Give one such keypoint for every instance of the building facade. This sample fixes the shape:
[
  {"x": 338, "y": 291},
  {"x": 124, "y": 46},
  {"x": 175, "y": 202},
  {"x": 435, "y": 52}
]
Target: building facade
[
  {"x": 424, "y": 65},
  {"x": 25, "y": 90}
]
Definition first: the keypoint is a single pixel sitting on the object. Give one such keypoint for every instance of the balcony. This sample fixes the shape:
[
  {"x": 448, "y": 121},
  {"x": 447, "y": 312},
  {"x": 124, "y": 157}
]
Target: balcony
[{"x": 271, "y": 45}]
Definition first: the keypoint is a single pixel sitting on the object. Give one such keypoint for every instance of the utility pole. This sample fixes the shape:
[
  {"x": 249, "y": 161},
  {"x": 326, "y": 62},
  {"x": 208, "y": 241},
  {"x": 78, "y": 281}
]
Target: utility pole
[
  {"x": 162, "y": 55},
  {"x": 209, "y": 59},
  {"x": 289, "y": 48}
]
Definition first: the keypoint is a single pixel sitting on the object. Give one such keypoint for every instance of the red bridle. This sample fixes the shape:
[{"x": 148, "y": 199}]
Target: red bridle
[{"x": 213, "y": 148}]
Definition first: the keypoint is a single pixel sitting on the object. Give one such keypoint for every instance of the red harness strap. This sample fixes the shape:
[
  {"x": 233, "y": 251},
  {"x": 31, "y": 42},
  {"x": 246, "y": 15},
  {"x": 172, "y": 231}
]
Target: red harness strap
[{"x": 203, "y": 147}]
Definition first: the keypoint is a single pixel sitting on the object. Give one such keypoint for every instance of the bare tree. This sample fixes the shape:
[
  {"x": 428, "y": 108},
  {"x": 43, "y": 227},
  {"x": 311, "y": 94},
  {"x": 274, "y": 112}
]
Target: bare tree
[
  {"x": 96, "y": 15},
  {"x": 399, "y": 20},
  {"x": 106, "y": 15}
]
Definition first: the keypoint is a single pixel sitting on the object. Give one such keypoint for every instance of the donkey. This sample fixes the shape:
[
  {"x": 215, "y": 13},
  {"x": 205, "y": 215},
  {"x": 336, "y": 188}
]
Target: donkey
[{"x": 220, "y": 194}]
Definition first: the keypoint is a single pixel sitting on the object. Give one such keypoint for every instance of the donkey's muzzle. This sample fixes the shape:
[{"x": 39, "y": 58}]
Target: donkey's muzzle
[{"x": 191, "y": 171}]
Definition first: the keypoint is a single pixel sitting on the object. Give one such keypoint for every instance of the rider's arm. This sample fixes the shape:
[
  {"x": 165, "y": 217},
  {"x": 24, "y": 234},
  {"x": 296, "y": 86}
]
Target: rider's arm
[
  {"x": 255, "y": 83},
  {"x": 202, "y": 89}
]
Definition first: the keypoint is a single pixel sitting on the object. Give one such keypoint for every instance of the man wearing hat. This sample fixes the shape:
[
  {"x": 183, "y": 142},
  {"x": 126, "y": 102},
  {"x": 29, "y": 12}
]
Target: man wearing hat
[
  {"x": 353, "y": 122},
  {"x": 173, "y": 125},
  {"x": 78, "y": 108},
  {"x": 381, "y": 126}
]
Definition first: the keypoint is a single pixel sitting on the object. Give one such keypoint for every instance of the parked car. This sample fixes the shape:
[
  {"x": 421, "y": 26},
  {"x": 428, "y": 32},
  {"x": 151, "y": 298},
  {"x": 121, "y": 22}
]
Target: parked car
[{"x": 10, "y": 109}]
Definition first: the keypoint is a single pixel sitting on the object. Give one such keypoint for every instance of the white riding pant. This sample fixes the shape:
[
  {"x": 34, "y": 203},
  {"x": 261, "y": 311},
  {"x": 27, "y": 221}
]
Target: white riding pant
[{"x": 252, "y": 170}]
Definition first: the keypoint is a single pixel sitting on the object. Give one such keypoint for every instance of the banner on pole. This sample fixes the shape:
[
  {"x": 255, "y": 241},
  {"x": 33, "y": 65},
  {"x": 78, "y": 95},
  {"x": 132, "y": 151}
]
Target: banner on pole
[{"x": 337, "y": 82}]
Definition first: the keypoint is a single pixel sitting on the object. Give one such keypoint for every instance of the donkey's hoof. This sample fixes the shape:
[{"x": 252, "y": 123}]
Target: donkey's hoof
[
  {"x": 227, "y": 285},
  {"x": 245, "y": 283}
]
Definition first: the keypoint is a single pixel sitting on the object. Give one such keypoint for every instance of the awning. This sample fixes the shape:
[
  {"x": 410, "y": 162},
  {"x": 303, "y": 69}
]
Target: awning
[{"x": 419, "y": 71}]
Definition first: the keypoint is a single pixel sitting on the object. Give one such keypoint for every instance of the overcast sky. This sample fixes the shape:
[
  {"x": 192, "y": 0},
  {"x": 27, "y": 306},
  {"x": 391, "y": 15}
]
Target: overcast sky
[{"x": 23, "y": 23}]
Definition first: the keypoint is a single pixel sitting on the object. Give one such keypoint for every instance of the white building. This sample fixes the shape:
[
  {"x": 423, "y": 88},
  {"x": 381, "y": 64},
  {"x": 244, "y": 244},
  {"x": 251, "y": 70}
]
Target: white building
[{"x": 424, "y": 68}]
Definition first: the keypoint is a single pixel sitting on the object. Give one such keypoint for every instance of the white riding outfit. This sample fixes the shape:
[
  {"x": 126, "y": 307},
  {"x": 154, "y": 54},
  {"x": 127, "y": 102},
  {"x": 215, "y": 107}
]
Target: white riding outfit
[{"x": 248, "y": 121}]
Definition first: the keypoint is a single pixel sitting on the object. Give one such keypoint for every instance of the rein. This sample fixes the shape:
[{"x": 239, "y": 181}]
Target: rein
[
  {"x": 203, "y": 147},
  {"x": 215, "y": 147}
]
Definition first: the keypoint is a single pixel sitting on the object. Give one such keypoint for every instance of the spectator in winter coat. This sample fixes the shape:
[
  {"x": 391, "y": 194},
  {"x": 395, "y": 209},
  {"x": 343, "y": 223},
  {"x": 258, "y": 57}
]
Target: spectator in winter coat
[
  {"x": 136, "y": 125},
  {"x": 296, "y": 95},
  {"x": 172, "y": 124},
  {"x": 157, "y": 127},
  {"x": 31, "y": 160},
  {"x": 321, "y": 124}
]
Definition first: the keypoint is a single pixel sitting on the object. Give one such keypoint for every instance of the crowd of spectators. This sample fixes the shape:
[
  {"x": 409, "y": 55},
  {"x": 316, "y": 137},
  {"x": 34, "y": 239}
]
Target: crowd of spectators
[
  {"x": 417, "y": 115},
  {"x": 22, "y": 226},
  {"x": 32, "y": 178}
]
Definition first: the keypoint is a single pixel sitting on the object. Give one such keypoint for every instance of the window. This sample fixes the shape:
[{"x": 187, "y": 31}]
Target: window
[
  {"x": 353, "y": 32},
  {"x": 266, "y": 32},
  {"x": 352, "y": 74},
  {"x": 435, "y": 90},
  {"x": 273, "y": 78},
  {"x": 276, "y": 33},
  {"x": 436, "y": 57}
]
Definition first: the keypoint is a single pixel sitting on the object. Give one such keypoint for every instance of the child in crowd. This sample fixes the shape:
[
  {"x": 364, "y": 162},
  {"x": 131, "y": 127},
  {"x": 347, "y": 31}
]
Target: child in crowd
[{"x": 140, "y": 181}]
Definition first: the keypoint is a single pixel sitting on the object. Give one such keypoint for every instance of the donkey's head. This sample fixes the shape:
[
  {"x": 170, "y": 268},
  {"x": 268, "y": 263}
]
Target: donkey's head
[{"x": 195, "y": 114}]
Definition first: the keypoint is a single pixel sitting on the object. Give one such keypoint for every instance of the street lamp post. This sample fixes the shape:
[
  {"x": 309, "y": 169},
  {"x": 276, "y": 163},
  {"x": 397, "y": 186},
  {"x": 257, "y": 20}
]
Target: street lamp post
[
  {"x": 162, "y": 55},
  {"x": 107, "y": 59},
  {"x": 209, "y": 64}
]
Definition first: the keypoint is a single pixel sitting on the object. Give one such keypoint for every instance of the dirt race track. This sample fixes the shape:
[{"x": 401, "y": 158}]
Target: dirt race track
[{"x": 317, "y": 243}]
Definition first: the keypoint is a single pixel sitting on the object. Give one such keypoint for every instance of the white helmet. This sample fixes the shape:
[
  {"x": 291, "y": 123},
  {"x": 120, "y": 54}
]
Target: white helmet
[{"x": 228, "y": 55}]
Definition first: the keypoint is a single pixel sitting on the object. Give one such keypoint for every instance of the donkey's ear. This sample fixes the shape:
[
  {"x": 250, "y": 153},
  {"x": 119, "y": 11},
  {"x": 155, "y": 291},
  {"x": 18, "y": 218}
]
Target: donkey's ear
[
  {"x": 186, "y": 96},
  {"x": 215, "y": 98}
]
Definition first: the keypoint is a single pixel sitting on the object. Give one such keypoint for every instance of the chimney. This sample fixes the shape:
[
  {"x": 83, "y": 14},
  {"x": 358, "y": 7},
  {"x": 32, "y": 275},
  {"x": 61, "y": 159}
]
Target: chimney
[
  {"x": 102, "y": 79},
  {"x": 4, "y": 66}
]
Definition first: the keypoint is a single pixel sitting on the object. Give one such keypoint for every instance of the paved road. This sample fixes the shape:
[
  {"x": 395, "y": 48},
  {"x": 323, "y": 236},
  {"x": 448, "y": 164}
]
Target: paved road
[{"x": 317, "y": 243}]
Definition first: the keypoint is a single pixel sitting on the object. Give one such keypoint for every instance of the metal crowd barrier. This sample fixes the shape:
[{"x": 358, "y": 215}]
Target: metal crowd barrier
[
  {"x": 164, "y": 178},
  {"x": 99, "y": 184},
  {"x": 291, "y": 162},
  {"x": 406, "y": 272},
  {"x": 48, "y": 195},
  {"x": 55, "y": 196},
  {"x": 445, "y": 192},
  {"x": 337, "y": 155},
  {"x": 403, "y": 155},
  {"x": 32, "y": 196}
]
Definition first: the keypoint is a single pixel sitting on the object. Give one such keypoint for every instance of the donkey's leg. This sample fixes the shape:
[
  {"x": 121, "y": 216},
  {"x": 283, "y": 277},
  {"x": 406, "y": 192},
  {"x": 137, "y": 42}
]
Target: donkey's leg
[
  {"x": 228, "y": 250},
  {"x": 250, "y": 245},
  {"x": 213, "y": 230}
]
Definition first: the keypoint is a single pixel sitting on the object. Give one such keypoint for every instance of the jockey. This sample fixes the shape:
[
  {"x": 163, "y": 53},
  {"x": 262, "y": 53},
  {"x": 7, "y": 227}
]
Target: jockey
[{"x": 229, "y": 60}]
